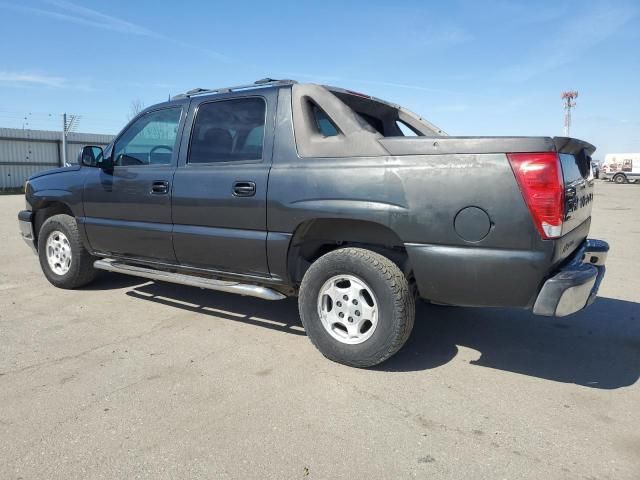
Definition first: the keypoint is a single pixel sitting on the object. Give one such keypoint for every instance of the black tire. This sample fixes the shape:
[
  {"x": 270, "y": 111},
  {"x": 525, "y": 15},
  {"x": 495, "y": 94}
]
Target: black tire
[
  {"x": 620, "y": 179},
  {"x": 81, "y": 271},
  {"x": 396, "y": 306}
]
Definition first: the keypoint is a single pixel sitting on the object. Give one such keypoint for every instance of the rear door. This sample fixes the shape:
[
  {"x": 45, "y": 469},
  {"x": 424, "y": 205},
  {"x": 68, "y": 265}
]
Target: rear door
[
  {"x": 128, "y": 209},
  {"x": 220, "y": 186}
]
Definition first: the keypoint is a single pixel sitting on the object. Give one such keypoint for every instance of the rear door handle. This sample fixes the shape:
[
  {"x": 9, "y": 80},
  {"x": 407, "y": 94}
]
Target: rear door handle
[
  {"x": 244, "y": 189},
  {"x": 160, "y": 187}
]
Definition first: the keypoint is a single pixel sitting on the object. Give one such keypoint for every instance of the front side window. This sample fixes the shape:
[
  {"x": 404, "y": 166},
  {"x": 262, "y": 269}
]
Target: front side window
[
  {"x": 150, "y": 140},
  {"x": 228, "y": 130}
]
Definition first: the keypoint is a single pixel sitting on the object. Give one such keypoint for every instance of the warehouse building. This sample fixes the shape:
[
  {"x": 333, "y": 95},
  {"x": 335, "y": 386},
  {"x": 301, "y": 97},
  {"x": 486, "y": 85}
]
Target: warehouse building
[{"x": 25, "y": 152}]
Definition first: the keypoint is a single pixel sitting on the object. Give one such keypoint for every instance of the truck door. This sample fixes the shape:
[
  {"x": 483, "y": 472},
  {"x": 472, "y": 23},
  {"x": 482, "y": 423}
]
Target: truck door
[
  {"x": 128, "y": 209},
  {"x": 220, "y": 185}
]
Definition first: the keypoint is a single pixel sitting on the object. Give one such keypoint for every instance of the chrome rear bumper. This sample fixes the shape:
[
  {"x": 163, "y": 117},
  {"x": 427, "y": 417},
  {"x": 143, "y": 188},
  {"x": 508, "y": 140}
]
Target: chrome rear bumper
[{"x": 575, "y": 286}]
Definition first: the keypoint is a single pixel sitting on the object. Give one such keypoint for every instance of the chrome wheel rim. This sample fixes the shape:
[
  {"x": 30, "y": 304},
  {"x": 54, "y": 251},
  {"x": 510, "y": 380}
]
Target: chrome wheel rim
[
  {"x": 58, "y": 252},
  {"x": 348, "y": 309}
]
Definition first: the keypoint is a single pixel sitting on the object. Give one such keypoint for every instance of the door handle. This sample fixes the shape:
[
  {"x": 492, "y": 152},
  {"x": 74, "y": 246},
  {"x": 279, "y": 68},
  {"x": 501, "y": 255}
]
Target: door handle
[
  {"x": 244, "y": 189},
  {"x": 160, "y": 187}
]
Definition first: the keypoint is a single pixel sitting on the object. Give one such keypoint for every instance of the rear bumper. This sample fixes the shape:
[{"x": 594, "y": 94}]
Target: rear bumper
[
  {"x": 575, "y": 286},
  {"x": 25, "y": 222}
]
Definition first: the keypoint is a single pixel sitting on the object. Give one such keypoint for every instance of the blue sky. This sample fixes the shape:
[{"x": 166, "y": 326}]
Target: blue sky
[{"x": 471, "y": 67}]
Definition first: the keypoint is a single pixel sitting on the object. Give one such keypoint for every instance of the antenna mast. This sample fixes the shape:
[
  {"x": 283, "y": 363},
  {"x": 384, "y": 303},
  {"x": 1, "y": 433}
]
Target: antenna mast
[
  {"x": 568, "y": 101},
  {"x": 69, "y": 123}
]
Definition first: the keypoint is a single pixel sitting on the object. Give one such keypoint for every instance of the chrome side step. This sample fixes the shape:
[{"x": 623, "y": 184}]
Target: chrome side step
[{"x": 191, "y": 280}]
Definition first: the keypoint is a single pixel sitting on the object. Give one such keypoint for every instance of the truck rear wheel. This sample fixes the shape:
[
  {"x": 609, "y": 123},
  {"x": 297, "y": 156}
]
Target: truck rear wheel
[
  {"x": 356, "y": 307},
  {"x": 620, "y": 178},
  {"x": 63, "y": 258}
]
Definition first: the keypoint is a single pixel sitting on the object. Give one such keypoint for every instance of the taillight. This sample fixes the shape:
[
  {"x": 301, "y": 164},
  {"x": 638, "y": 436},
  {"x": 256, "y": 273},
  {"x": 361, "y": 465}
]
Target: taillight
[{"x": 539, "y": 176}]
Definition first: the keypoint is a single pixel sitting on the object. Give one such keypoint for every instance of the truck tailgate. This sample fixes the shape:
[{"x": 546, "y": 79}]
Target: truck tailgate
[{"x": 575, "y": 158}]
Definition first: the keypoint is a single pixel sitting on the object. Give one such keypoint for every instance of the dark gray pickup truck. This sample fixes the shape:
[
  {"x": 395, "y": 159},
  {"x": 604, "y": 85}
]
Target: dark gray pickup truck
[{"x": 353, "y": 204}]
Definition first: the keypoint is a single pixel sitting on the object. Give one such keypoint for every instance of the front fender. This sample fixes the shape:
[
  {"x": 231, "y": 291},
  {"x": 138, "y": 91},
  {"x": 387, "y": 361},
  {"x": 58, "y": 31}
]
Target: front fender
[
  {"x": 45, "y": 198},
  {"x": 59, "y": 192},
  {"x": 64, "y": 187}
]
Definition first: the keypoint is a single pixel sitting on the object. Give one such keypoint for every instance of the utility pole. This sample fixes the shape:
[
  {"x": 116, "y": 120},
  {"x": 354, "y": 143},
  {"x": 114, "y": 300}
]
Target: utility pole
[
  {"x": 67, "y": 126},
  {"x": 568, "y": 101}
]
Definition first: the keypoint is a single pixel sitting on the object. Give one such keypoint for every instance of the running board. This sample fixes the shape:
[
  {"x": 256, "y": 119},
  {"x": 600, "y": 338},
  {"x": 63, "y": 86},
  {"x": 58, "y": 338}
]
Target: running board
[{"x": 191, "y": 280}]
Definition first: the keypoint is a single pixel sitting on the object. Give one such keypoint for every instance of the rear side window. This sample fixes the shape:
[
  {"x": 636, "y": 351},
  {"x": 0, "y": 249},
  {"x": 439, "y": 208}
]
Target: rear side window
[
  {"x": 323, "y": 123},
  {"x": 228, "y": 130}
]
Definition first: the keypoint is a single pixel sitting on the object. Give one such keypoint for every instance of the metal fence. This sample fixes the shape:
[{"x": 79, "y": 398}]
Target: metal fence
[{"x": 25, "y": 152}]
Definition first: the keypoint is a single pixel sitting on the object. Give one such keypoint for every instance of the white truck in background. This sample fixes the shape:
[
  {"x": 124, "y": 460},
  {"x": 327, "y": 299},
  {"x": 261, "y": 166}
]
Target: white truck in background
[{"x": 621, "y": 167}]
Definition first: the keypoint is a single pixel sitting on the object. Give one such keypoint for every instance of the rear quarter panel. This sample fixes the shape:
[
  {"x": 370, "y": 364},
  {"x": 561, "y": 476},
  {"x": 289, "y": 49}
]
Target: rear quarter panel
[{"x": 418, "y": 197}]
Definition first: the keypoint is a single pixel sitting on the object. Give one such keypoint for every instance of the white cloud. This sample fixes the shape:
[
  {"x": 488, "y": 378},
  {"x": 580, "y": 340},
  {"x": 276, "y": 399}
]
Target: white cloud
[
  {"x": 94, "y": 18},
  {"x": 70, "y": 12},
  {"x": 35, "y": 79},
  {"x": 32, "y": 79}
]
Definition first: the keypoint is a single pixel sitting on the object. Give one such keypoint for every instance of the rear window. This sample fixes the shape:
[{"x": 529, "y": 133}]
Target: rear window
[{"x": 574, "y": 167}]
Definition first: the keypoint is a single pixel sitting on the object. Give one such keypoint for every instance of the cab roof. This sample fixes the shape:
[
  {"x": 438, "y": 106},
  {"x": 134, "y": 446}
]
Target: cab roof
[{"x": 263, "y": 82}]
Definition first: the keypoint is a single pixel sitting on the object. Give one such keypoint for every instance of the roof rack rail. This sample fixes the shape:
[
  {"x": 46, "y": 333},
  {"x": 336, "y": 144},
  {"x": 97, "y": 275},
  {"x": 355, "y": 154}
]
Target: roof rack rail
[{"x": 263, "y": 82}]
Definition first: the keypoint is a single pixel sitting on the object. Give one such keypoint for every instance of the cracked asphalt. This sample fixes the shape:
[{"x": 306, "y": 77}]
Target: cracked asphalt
[{"x": 135, "y": 379}]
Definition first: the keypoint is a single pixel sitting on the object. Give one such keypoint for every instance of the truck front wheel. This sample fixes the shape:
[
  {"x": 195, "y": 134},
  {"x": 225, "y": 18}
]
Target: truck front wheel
[
  {"x": 63, "y": 258},
  {"x": 356, "y": 307}
]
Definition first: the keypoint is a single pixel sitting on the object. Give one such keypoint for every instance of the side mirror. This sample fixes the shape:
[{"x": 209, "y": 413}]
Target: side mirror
[{"x": 90, "y": 156}]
